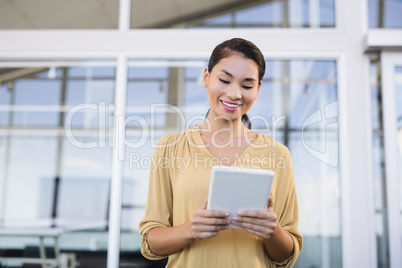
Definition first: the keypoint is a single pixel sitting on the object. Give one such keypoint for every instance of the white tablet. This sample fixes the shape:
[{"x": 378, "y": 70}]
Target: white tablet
[{"x": 233, "y": 189}]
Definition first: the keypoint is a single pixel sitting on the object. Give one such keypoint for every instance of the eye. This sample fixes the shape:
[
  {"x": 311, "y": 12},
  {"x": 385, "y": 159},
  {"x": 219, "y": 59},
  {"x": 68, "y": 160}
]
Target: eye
[
  {"x": 247, "y": 87},
  {"x": 224, "y": 81}
]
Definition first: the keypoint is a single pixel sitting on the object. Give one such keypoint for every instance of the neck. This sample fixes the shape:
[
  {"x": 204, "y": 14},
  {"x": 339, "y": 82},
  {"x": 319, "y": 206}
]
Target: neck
[{"x": 224, "y": 127}]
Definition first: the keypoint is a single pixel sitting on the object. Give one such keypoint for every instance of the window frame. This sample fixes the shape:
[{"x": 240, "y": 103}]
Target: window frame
[{"x": 388, "y": 62}]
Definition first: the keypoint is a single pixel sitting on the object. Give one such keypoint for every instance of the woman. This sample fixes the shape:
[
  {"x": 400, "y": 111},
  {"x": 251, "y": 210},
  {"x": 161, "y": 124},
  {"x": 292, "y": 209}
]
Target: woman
[{"x": 176, "y": 223}]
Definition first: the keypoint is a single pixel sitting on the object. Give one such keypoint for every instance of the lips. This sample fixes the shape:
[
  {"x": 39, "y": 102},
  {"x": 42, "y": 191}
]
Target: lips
[{"x": 231, "y": 104}]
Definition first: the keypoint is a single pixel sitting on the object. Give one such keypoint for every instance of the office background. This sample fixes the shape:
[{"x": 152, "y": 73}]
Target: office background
[{"x": 83, "y": 93}]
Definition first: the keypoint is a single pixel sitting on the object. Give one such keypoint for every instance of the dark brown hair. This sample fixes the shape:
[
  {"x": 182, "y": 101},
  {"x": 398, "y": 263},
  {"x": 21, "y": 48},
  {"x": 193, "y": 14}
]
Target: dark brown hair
[{"x": 244, "y": 48}]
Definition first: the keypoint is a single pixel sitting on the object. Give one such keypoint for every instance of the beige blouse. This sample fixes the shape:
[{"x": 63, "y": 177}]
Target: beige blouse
[{"x": 179, "y": 183}]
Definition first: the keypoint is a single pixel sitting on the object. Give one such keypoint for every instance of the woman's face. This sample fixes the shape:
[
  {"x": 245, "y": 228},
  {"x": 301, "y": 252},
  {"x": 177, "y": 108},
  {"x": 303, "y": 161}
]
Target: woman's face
[{"x": 232, "y": 86}]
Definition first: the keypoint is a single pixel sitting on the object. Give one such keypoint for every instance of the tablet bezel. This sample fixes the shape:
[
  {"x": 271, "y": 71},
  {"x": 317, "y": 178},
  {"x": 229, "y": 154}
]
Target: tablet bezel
[{"x": 233, "y": 189}]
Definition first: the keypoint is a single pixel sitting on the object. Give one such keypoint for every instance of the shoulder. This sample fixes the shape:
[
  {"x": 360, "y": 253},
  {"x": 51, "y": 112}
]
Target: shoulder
[{"x": 273, "y": 145}]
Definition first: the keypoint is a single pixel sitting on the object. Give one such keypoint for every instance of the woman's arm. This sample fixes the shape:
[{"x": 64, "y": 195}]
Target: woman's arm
[
  {"x": 164, "y": 241},
  {"x": 278, "y": 243}
]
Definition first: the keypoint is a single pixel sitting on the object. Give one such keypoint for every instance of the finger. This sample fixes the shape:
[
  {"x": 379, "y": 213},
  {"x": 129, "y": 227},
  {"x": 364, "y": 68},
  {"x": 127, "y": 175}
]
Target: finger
[
  {"x": 204, "y": 235},
  {"x": 210, "y": 221},
  {"x": 209, "y": 228},
  {"x": 258, "y": 225},
  {"x": 264, "y": 235},
  {"x": 255, "y": 223},
  {"x": 253, "y": 214},
  {"x": 256, "y": 217},
  {"x": 205, "y": 203},
  {"x": 262, "y": 230},
  {"x": 211, "y": 213},
  {"x": 270, "y": 202},
  {"x": 268, "y": 217}
]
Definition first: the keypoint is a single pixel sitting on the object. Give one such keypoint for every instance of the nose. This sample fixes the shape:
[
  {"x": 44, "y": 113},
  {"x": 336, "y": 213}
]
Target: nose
[{"x": 234, "y": 92}]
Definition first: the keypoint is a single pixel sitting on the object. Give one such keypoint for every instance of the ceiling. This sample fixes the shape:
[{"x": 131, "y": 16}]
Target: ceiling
[
  {"x": 103, "y": 14},
  {"x": 59, "y": 14}
]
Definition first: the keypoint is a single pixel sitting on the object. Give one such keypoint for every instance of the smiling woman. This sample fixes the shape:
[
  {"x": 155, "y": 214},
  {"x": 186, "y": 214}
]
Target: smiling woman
[
  {"x": 177, "y": 223},
  {"x": 247, "y": 68},
  {"x": 235, "y": 89}
]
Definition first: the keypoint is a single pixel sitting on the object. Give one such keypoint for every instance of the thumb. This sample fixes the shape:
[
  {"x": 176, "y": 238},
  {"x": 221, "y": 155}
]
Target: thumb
[
  {"x": 205, "y": 204},
  {"x": 270, "y": 202}
]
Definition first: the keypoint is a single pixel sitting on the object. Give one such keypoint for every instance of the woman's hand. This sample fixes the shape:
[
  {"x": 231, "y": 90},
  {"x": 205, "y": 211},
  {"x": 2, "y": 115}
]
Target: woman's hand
[
  {"x": 207, "y": 223},
  {"x": 258, "y": 223}
]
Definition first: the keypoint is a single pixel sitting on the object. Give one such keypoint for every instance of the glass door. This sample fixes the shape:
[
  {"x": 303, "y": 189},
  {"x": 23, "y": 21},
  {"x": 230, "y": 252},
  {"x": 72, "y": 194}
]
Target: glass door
[
  {"x": 392, "y": 105},
  {"x": 55, "y": 153}
]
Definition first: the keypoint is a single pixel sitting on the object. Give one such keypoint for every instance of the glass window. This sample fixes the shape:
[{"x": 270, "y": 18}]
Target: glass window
[
  {"x": 241, "y": 14},
  {"x": 266, "y": 14},
  {"x": 176, "y": 83},
  {"x": 385, "y": 13},
  {"x": 318, "y": 192},
  {"x": 24, "y": 94},
  {"x": 5, "y": 96},
  {"x": 313, "y": 86},
  {"x": 55, "y": 150},
  {"x": 49, "y": 14},
  {"x": 297, "y": 105}
]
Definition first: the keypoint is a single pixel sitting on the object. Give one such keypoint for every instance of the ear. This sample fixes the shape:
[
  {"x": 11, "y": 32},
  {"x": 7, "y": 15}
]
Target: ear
[{"x": 205, "y": 77}]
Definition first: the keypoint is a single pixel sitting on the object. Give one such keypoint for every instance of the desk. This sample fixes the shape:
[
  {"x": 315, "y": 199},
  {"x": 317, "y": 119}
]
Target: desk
[{"x": 42, "y": 229}]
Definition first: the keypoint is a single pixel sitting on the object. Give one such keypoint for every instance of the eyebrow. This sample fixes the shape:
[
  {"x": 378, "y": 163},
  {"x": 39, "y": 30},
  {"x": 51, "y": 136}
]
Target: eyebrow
[{"x": 231, "y": 75}]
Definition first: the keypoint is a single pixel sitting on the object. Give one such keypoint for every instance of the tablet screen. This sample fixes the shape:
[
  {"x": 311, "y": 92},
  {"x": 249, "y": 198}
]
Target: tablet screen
[{"x": 233, "y": 189}]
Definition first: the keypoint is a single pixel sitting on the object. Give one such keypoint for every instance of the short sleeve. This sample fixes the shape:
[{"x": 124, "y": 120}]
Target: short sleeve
[
  {"x": 287, "y": 208},
  {"x": 158, "y": 209}
]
